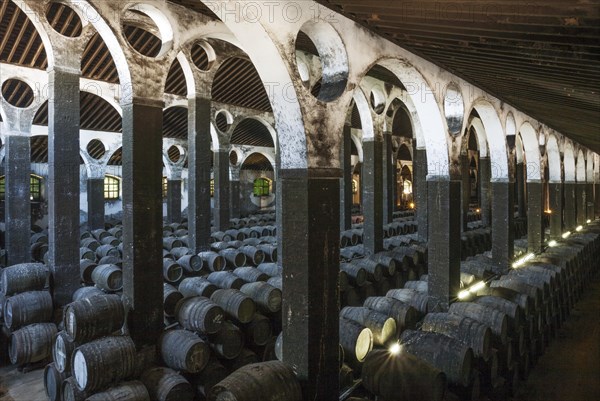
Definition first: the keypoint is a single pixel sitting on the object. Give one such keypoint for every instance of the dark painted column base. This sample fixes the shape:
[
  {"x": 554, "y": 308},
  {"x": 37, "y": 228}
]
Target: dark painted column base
[
  {"x": 485, "y": 175},
  {"x": 174, "y": 201},
  {"x": 535, "y": 231},
  {"x": 388, "y": 183},
  {"x": 465, "y": 191},
  {"x": 556, "y": 206},
  {"x": 570, "y": 208},
  {"x": 221, "y": 210},
  {"x": 589, "y": 197},
  {"x": 520, "y": 172},
  {"x": 373, "y": 196},
  {"x": 308, "y": 230},
  {"x": 502, "y": 223},
  {"x": 234, "y": 188},
  {"x": 95, "y": 201},
  {"x": 346, "y": 180},
  {"x": 444, "y": 242},
  {"x": 420, "y": 192},
  {"x": 17, "y": 163},
  {"x": 581, "y": 202},
  {"x": 596, "y": 200}
]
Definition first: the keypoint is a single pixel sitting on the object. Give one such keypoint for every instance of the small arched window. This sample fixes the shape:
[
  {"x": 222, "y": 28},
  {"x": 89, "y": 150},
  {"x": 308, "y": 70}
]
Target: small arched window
[
  {"x": 112, "y": 187},
  {"x": 262, "y": 187},
  {"x": 35, "y": 188}
]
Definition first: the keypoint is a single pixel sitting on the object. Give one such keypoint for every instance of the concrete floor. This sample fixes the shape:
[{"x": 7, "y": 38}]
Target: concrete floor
[{"x": 569, "y": 370}]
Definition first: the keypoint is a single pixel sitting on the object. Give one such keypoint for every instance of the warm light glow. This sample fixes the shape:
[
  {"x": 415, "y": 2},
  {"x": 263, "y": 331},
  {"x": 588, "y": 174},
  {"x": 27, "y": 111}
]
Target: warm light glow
[
  {"x": 476, "y": 287},
  {"x": 478, "y": 210},
  {"x": 411, "y": 205},
  {"x": 566, "y": 235},
  {"x": 395, "y": 349},
  {"x": 579, "y": 228},
  {"x": 552, "y": 244},
  {"x": 463, "y": 294},
  {"x": 523, "y": 260},
  {"x": 548, "y": 211},
  {"x": 588, "y": 221}
]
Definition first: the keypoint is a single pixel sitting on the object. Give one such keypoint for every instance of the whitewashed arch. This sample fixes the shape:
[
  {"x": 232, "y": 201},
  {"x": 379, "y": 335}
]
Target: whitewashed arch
[
  {"x": 580, "y": 167},
  {"x": 569, "y": 162},
  {"x": 358, "y": 143},
  {"x": 554, "y": 164},
  {"x": 589, "y": 171},
  {"x": 407, "y": 102},
  {"x": 364, "y": 111},
  {"x": 477, "y": 125},
  {"x": 39, "y": 27},
  {"x": 529, "y": 138},
  {"x": 103, "y": 94},
  {"x": 261, "y": 120},
  {"x": 491, "y": 128}
]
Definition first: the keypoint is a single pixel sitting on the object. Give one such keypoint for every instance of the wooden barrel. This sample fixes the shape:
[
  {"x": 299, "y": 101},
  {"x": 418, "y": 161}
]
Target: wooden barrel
[
  {"x": 515, "y": 284},
  {"x": 27, "y": 308},
  {"x": 357, "y": 275},
  {"x": 70, "y": 391},
  {"x": 246, "y": 357},
  {"x": 451, "y": 356},
  {"x": 406, "y": 316},
  {"x": 234, "y": 258},
  {"x": 86, "y": 292},
  {"x": 237, "y": 304},
  {"x": 250, "y": 274},
  {"x": 469, "y": 331},
  {"x": 276, "y": 282},
  {"x": 183, "y": 350},
  {"x": 258, "y": 331},
  {"x": 270, "y": 268},
  {"x": 417, "y": 285},
  {"x": 53, "y": 379},
  {"x": 124, "y": 391},
  {"x": 226, "y": 280},
  {"x": 417, "y": 300},
  {"x": 108, "y": 277},
  {"x": 265, "y": 381},
  {"x": 212, "y": 261},
  {"x": 522, "y": 300},
  {"x": 270, "y": 252},
  {"x": 402, "y": 377},
  {"x": 494, "y": 318},
  {"x": 170, "y": 299},
  {"x": 110, "y": 240},
  {"x": 87, "y": 254},
  {"x": 356, "y": 340},
  {"x": 221, "y": 236},
  {"x": 386, "y": 261},
  {"x": 86, "y": 267},
  {"x": 212, "y": 374},
  {"x": 100, "y": 233},
  {"x": 172, "y": 242},
  {"x": 108, "y": 250},
  {"x": 382, "y": 326},
  {"x": 374, "y": 269},
  {"x": 228, "y": 342},
  {"x": 197, "y": 286},
  {"x": 111, "y": 260},
  {"x": 165, "y": 384},
  {"x": 180, "y": 252},
  {"x": 94, "y": 317},
  {"x": 190, "y": 263},
  {"x": 90, "y": 243},
  {"x": 116, "y": 232},
  {"x": 32, "y": 343},
  {"x": 544, "y": 282},
  {"x": 107, "y": 360},
  {"x": 172, "y": 271},
  {"x": 266, "y": 296},
  {"x": 23, "y": 277},
  {"x": 254, "y": 256},
  {"x": 511, "y": 309},
  {"x": 199, "y": 314},
  {"x": 62, "y": 351}
]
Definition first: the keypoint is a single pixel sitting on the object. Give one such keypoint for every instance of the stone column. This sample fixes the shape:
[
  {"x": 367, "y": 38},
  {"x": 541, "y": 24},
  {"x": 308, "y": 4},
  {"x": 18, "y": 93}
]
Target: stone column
[
  {"x": 63, "y": 182},
  {"x": 234, "y": 189},
  {"x": 199, "y": 164},
  {"x": 95, "y": 203},
  {"x": 420, "y": 192},
  {"x": 502, "y": 223},
  {"x": 589, "y": 197},
  {"x": 535, "y": 216},
  {"x": 466, "y": 190},
  {"x": 570, "y": 210},
  {"x": 308, "y": 232},
  {"x": 556, "y": 206},
  {"x": 520, "y": 172},
  {"x": 581, "y": 202},
  {"x": 142, "y": 218},
  {"x": 388, "y": 176},
  {"x": 221, "y": 209},
  {"x": 17, "y": 162},
  {"x": 485, "y": 175},
  {"x": 444, "y": 241},
  {"x": 373, "y": 195},
  {"x": 346, "y": 180},
  {"x": 174, "y": 200}
]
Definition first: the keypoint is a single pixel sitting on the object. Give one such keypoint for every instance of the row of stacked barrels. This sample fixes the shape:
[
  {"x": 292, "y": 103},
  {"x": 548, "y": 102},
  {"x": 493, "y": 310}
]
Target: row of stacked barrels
[{"x": 487, "y": 341}]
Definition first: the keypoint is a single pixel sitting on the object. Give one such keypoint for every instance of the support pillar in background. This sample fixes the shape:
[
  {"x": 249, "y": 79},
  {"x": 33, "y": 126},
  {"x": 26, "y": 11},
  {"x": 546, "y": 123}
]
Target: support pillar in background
[
  {"x": 346, "y": 180},
  {"x": 234, "y": 190},
  {"x": 17, "y": 162},
  {"x": 589, "y": 197},
  {"x": 420, "y": 192},
  {"x": 142, "y": 218},
  {"x": 485, "y": 175},
  {"x": 373, "y": 195},
  {"x": 502, "y": 223},
  {"x": 444, "y": 242},
  {"x": 581, "y": 202},
  {"x": 465, "y": 192},
  {"x": 520, "y": 172},
  {"x": 596, "y": 200},
  {"x": 555, "y": 190},
  {"x": 95, "y": 203},
  {"x": 199, "y": 164},
  {"x": 308, "y": 233},
  {"x": 222, "y": 196},
  {"x": 535, "y": 216},
  {"x": 570, "y": 208},
  {"x": 388, "y": 179},
  {"x": 174, "y": 199},
  {"x": 63, "y": 182}
]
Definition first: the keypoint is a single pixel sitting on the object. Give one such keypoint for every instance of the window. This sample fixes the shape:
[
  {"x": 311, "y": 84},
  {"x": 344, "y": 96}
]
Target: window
[
  {"x": 354, "y": 187},
  {"x": 35, "y": 188},
  {"x": 407, "y": 187},
  {"x": 111, "y": 188},
  {"x": 262, "y": 187},
  {"x": 212, "y": 188},
  {"x": 165, "y": 187}
]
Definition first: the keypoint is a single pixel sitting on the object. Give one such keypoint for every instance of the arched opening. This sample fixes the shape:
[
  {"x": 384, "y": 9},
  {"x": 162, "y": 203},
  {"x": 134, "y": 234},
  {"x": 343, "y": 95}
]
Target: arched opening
[
  {"x": 257, "y": 184},
  {"x": 253, "y": 133}
]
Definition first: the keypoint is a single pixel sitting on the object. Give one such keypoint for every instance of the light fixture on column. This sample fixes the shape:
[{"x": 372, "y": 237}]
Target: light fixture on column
[
  {"x": 567, "y": 234},
  {"x": 579, "y": 228}
]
